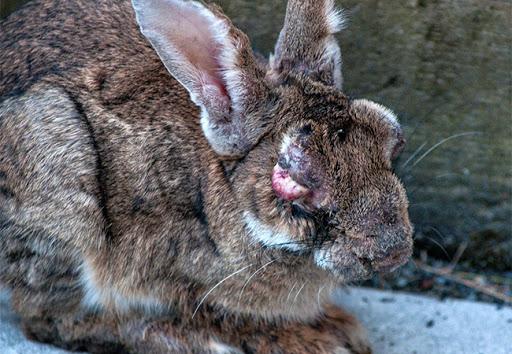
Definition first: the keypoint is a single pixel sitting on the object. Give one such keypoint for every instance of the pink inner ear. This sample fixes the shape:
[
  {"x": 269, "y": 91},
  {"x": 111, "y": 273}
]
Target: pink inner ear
[
  {"x": 195, "y": 35},
  {"x": 215, "y": 97}
]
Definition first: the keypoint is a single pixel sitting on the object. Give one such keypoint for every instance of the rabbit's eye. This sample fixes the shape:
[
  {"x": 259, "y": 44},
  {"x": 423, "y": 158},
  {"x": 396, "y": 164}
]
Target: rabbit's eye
[
  {"x": 306, "y": 130},
  {"x": 341, "y": 134}
]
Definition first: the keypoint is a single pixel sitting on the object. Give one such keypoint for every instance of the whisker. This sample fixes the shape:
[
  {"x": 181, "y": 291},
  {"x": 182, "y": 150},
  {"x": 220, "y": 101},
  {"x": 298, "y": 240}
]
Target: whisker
[
  {"x": 318, "y": 296},
  {"x": 252, "y": 275},
  {"x": 298, "y": 292},
  {"x": 438, "y": 233},
  {"x": 293, "y": 287},
  {"x": 216, "y": 285},
  {"x": 307, "y": 246},
  {"x": 439, "y": 245},
  {"x": 413, "y": 155},
  {"x": 447, "y": 174},
  {"x": 435, "y": 146},
  {"x": 413, "y": 263}
]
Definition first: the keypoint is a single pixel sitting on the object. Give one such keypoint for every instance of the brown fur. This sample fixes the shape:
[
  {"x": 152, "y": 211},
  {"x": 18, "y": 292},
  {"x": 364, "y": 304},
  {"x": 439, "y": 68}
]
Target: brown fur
[{"x": 105, "y": 170}]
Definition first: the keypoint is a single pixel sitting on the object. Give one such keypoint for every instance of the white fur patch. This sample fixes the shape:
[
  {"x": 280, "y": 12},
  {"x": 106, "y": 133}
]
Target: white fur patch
[
  {"x": 332, "y": 50},
  {"x": 323, "y": 259},
  {"x": 285, "y": 144},
  {"x": 92, "y": 294},
  {"x": 287, "y": 140},
  {"x": 267, "y": 236},
  {"x": 386, "y": 113},
  {"x": 335, "y": 17},
  {"x": 97, "y": 297},
  {"x": 206, "y": 125},
  {"x": 221, "y": 348}
]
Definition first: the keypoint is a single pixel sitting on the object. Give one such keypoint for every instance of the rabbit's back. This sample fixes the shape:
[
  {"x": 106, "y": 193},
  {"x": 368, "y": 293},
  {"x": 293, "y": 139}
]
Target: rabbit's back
[
  {"x": 144, "y": 130},
  {"x": 51, "y": 36},
  {"x": 94, "y": 51}
]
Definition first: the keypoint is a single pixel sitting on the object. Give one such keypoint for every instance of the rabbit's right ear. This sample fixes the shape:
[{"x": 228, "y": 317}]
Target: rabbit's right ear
[
  {"x": 213, "y": 60},
  {"x": 307, "y": 45}
]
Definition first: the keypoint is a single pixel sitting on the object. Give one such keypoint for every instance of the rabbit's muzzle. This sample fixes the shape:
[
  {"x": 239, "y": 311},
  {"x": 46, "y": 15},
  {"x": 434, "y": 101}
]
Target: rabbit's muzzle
[
  {"x": 360, "y": 258},
  {"x": 372, "y": 235}
]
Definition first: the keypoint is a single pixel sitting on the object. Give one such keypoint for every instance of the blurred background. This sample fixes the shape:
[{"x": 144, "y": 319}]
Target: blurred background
[{"x": 445, "y": 67}]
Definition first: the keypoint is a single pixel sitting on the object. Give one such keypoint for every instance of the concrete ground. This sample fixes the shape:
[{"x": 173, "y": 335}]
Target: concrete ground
[{"x": 397, "y": 324}]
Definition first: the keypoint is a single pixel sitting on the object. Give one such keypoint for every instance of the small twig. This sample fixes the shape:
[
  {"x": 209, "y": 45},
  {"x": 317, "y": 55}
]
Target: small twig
[
  {"x": 496, "y": 279},
  {"x": 456, "y": 258},
  {"x": 447, "y": 273}
]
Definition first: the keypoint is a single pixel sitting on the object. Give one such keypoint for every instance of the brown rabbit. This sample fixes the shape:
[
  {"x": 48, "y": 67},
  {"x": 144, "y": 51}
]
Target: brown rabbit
[{"x": 162, "y": 191}]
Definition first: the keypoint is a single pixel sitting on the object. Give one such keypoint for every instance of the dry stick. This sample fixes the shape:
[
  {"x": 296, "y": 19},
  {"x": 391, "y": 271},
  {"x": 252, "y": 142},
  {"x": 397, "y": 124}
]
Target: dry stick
[
  {"x": 456, "y": 258},
  {"x": 470, "y": 284}
]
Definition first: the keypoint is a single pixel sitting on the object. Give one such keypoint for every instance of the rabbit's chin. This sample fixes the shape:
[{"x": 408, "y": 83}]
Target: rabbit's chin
[
  {"x": 344, "y": 268},
  {"x": 347, "y": 266}
]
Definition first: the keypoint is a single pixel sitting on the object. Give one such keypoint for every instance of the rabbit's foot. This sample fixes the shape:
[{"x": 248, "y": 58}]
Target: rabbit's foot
[
  {"x": 106, "y": 333},
  {"x": 335, "y": 332},
  {"x": 76, "y": 332}
]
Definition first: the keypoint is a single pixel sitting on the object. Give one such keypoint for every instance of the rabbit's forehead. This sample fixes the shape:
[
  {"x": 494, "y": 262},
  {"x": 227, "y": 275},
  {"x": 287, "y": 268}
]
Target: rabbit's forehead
[
  {"x": 328, "y": 110},
  {"x": 362, "y": 134}
]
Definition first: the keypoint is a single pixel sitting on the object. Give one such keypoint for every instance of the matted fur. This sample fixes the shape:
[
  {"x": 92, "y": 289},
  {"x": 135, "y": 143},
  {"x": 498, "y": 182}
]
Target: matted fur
[{"x": 128, "y": 225}]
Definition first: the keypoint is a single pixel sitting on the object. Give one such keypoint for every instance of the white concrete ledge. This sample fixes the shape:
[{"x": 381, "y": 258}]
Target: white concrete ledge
[
  {"x": 397, "y": 324},
  {"x": 401, "y": 323},
  {"x": 12, "y": 341}
]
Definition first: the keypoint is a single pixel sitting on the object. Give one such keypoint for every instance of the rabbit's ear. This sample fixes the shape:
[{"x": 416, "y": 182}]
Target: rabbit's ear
[
  {"x": 213, "y": 60},
  {"x": 307, "y": 44}
]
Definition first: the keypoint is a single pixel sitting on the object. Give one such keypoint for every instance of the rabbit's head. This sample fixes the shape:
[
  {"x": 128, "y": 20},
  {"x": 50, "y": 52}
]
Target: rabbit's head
[{"x": 310, "y": 167}]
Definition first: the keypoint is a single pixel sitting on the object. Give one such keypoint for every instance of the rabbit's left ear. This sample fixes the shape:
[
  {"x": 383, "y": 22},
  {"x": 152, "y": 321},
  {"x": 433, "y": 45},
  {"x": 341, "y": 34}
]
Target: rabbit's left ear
[
  {"x": 307, "y": 44},
  {"x": 213, "y": 60}
]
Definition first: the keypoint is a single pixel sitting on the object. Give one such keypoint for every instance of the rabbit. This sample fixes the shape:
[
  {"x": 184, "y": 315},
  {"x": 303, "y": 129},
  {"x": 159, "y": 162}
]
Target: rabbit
[{"x": 163, "y": 190}]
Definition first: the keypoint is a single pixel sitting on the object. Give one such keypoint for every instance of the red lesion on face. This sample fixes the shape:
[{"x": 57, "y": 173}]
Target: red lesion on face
[
  {"x": 284, "y": 185},
  {"x": 298, "y": 175}
]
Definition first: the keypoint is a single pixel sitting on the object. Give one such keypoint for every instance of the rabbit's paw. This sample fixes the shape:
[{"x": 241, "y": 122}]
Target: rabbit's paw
[
  {"x": 167, "y": 336},
  {"x": 335, "y": 332},
  {"x": 345, "y": 325},
  {"x": 76, "y": 332}
]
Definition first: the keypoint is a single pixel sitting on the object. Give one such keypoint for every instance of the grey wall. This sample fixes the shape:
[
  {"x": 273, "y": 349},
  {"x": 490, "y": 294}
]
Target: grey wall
[{"x": 7, "y": 6}]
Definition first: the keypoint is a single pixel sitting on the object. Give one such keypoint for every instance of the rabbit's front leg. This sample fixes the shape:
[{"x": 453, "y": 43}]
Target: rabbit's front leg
[{"x": 76, "y": 331}]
